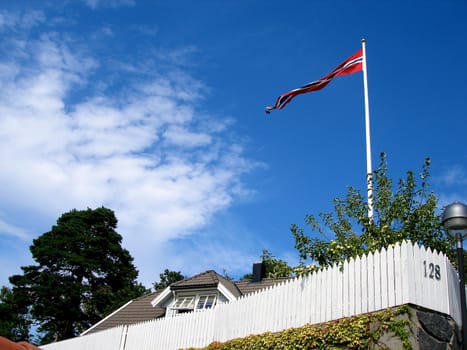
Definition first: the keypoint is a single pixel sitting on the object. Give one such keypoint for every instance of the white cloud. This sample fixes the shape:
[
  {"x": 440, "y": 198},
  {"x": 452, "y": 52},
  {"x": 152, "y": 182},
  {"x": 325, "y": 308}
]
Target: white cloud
[
  {"x": 14, "y": 230},
  {"x": 16, "y": 21},
  {"x": 455, "y": 176},
  {"x": 143, "y": 151},
  {"x": 180, "y": 136},
  {"x": 94, "y": 4},
  {"x": 451, "y": 185}
]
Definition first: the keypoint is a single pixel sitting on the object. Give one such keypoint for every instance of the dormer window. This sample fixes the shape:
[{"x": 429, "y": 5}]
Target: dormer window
[
  {"x": 187, "y": 303},
  {"x": 201, "y": 292}
]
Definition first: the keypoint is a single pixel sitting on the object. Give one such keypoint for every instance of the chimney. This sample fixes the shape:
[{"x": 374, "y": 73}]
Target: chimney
[{"x": 259, "y": 271}]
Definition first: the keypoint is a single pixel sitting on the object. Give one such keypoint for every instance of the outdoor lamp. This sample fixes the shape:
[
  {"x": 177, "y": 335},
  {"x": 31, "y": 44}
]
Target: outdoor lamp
[{"x": 454, "y": 220}]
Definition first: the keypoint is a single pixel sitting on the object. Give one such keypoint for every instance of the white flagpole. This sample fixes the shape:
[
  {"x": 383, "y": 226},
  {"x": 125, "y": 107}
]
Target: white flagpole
[{"x": 369, "y": 169}]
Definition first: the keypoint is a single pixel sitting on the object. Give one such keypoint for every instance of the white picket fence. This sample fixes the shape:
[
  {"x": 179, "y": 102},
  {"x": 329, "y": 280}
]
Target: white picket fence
[{"x": 402, "y": 274}]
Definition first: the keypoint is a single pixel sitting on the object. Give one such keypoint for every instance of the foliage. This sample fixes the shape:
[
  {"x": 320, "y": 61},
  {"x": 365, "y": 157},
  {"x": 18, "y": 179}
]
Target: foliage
[
  {"x": 403, "y": 212},
  {"x": 358, "y": 332},
  {"x": 14, "y": 323},
  {"x": 82, "y": 274},
  {"x": 275, "y": 268},
  {"x": 167, "y": 278}
]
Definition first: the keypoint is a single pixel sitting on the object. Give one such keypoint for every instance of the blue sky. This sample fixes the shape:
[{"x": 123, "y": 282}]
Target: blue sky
[{"x": 155, "y": 109}]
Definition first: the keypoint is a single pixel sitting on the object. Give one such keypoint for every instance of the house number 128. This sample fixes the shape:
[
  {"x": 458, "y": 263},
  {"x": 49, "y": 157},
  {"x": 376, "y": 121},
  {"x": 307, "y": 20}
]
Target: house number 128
[{"x": 432, "y": 271}]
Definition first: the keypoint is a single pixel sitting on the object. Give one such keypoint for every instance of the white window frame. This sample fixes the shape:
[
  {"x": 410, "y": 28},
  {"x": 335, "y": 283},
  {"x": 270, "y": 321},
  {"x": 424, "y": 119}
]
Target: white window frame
[
  {"x": 186, "y": 302},
  {"x": 194, "y": 302},
  {"x": 206, "y": 301}
]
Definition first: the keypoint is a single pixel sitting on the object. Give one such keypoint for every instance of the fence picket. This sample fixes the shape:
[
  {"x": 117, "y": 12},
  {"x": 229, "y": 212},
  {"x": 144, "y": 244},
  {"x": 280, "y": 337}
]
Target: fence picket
[
  {"x": 352, "y": 291},
  {"x": 346, "y": 289},
  {"x": 364, "y": 283},
  {"x": 390, "y": 277},
  {"x": 398, "y": 297},
  {"x": 370, "y": 262},
  {"x": 325, "y": 292},
  {"x": 338, "y": 291},
  {"x": 406, "y": 278},
  {"x": 377, "y": 285},
  {"x": 358, "y": 285}
]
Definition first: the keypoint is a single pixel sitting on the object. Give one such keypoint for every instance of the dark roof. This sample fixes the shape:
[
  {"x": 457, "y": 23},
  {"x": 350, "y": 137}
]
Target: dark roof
[
  {"x": 202, "y": 280},
  {"x": 137, "y": 310},
  {"x": 141, "y": 309},
  {"x": 231, "y": 286},
  {"x": 248, "y": 287},
  {"x": 208, "y": 279}
]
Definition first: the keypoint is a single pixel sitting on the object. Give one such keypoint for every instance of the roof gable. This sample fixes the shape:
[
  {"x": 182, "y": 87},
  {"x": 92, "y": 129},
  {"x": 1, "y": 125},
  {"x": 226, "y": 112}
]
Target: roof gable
[
  {"x": 209, "y": 279},
  {"x": 206, "y": 279}
]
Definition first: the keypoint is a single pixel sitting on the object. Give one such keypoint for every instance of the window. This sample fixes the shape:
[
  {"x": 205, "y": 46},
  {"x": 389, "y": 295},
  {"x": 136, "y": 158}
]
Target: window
[
  {"x": 206, "y": 302},
  {"x": 184, "y": 303},
  {"x": 187, "y": 303}
]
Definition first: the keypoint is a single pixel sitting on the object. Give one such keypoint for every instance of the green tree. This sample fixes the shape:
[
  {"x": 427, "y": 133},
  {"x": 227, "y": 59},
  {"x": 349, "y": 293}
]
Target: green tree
[
  {"x": 403, "y": 212},
  {"x": 167, "y": 278},
  {"x": 14, "y": 322},
  {"x": 82, "y": 274},
  {"x": 275, "y": 268}
]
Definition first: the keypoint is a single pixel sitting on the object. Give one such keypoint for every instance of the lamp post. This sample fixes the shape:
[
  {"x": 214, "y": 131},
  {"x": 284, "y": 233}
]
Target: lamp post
[{"x": 454, "y": 220}]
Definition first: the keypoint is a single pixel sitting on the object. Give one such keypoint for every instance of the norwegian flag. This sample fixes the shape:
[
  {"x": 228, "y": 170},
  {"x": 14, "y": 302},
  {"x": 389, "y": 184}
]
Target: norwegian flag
[{"x": 351, "y": 65}]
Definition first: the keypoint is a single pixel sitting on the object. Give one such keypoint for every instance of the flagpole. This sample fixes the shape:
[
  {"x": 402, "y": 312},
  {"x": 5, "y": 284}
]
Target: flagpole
[{"x": 369, "y": 169}]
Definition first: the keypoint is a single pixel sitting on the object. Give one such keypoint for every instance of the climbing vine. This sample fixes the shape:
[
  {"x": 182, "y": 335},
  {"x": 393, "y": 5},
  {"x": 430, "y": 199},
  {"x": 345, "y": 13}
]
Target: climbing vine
[{"x": 358, "y": 332}]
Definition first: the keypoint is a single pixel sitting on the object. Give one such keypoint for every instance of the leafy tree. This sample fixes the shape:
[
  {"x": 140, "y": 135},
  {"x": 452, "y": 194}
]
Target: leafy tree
[
  {"x": 275, "y": 268},
  {"x": 167, "y": 278},
  {"x": 403, "y": 212},
  {"x": 14, "y": 323},
  {"x": 82, "y": 274}
]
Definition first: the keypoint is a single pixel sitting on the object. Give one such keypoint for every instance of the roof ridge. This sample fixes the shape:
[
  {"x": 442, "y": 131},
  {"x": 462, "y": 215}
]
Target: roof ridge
[
  {"x": 214, "y": 275},
  {"x": 206, "y": 278}
]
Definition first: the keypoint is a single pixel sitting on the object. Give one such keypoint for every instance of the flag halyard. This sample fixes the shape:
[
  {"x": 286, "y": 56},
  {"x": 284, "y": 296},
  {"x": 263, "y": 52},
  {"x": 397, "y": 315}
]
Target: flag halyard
[{"x": 351, "y": 65}]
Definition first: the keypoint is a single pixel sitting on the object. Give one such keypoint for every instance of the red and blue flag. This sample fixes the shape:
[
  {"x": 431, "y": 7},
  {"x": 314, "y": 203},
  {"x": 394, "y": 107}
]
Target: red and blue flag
[{"x": 351, "y": 65}]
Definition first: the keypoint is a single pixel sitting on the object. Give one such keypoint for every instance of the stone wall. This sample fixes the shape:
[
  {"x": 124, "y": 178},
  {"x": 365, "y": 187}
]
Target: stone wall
[{"x": 429, "y": 330}]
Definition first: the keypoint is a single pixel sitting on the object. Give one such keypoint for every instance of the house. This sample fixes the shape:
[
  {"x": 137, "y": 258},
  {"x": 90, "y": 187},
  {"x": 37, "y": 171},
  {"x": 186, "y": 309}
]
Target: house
[
  {"x": 382, "y": 280},
  {"x": 6, "y": 344},
  {"x": 202, "y": 291}
]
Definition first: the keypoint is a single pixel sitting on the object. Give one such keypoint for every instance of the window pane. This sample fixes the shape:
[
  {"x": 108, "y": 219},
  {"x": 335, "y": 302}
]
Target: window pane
[
  {"x": 206, "y": 302},
  {"x": 190, "y": 302},
  {"x": 201, "y": 302},
  {"x": 210, "y": 302},
  {"x": 184, "y": 302}
]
